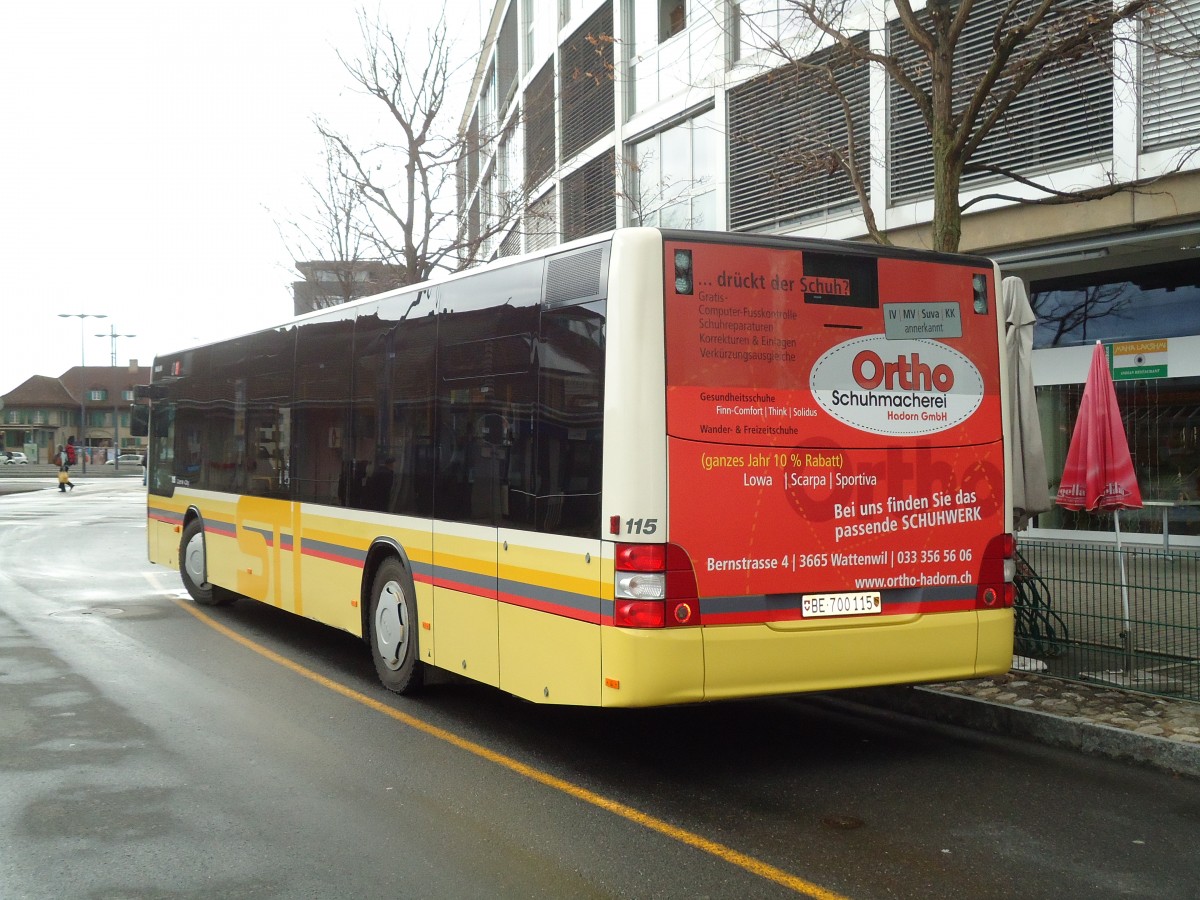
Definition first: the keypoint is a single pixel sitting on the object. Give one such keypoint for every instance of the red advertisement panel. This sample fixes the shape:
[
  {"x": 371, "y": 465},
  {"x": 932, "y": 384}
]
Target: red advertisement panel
[{"x": 834, "y": 428}]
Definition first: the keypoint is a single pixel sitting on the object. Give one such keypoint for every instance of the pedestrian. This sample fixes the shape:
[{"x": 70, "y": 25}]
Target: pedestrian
[{"x": 64, "y": 479}]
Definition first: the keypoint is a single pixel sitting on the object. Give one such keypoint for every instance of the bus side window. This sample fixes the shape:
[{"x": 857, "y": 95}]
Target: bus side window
[
  {"x": 321, "y": 400},
  {"x": 487, "y": 387},
  {"x": 268, "y": 363},
  {"x": 407, "y": 432},
  {"x": 570, "y": 419},
  {"x": 162, "y": 438}
]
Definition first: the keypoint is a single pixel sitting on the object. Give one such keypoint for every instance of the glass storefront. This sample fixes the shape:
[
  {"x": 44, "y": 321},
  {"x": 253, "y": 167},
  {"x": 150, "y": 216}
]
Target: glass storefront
[
  {"x": 1162, "y": 424},
  {"x": 1161, "y": 414}
]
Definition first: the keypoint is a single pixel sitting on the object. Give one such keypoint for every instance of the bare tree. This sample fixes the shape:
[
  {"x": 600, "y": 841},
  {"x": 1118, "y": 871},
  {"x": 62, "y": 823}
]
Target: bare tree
[
  {"x": 961, "y": 107},
  {"x": 396, "y": 194},
  {"x": 331, "y": 251}
]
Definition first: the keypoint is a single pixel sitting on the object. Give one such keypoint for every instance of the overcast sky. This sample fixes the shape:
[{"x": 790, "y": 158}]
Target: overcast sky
[{"x": 149, "y": 149}]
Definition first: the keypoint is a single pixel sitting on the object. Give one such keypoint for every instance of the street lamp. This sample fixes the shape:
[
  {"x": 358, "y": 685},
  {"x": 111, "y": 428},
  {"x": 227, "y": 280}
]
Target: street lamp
[
  {"x": 112, "y": 335},
  {"x": 82, "y": 383}
]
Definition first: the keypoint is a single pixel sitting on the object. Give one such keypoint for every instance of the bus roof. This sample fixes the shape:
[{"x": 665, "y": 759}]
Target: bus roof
[{"x": 792, "y": 242}]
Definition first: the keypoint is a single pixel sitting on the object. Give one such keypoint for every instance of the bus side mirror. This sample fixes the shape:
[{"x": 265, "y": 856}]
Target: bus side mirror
[{"x": 139, "y": 420}]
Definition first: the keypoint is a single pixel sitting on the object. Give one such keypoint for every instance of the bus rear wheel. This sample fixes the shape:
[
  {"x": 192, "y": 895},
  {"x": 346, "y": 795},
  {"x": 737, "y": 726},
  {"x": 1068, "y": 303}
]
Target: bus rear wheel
[
  {"x": 393, "y": 629},
  {"x": 193, "y": 568}
]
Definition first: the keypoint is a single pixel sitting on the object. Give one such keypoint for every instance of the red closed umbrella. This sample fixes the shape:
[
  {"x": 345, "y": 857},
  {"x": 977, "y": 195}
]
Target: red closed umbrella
[{"x": 1099, "y": 471}]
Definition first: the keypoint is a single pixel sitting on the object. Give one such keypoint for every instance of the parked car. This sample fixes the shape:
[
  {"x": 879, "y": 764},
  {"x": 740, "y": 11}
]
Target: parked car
[
  {"x": 126, "y": 459},
  {"x": 14, "y": 458}
]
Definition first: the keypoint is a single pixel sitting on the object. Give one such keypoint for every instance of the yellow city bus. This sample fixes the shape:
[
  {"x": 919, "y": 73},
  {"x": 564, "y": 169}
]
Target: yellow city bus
[{"x": 647, "y": 467}]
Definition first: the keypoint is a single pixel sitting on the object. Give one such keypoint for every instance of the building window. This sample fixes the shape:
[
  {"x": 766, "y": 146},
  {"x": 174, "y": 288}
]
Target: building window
[
  {"x": 95, "y": 396},
  {"x": 669, "y": 52},
  {"x": 568, "y": 10},
  {"x": 1063, "y": 117},
  {"x": 508, "y": 181},
  {"x": 587, "y": 89},
  {"x": 541, "y": 222},
  {"x": 473, "y": 233},
  {"x": 487, "y": 216},
  {"x": 487, "y": 111},
  {"x": 789, "y": 140},
  {"x": 764, "y": 25},
  {"x": 1170, "y": 103},
  {"x": 511, "y": 245},
  {"x": 541, "y": 25},
  {"x": 672, "y": 18},
  {"x": 590, "y": 199},
  {"x": 506, "y": 59},
  {"x": 674, "y": 175},
  {"x": 472, "y": 151},
  {"x": 539, "y": 126}
]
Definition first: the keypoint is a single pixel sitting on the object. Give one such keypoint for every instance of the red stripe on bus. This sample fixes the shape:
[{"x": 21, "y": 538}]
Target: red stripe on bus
[
  {"x": 554, "y": 608},
  {"x": 333, "y": 557},
  {"x": 461, "y": 588}
]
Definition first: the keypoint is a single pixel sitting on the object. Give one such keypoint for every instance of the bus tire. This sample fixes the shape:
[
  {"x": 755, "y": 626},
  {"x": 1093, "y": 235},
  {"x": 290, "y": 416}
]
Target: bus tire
[
  {"x": 392, "y": 627},
  {"x": 193, "y": 568}
]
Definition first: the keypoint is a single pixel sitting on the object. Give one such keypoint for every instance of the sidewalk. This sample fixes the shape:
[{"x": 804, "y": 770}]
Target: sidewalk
[
  {"x": 1096, "y": 719},
  {"x": 44, "y": 478},
  {"x": 46, "y": 470}
]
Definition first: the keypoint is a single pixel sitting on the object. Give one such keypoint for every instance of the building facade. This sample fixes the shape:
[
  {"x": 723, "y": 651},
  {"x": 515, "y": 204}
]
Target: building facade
[
  {"x": 587, "y": 115},
  {"x": 88, "y": 406},
  {"x": 330, "y": 283}
]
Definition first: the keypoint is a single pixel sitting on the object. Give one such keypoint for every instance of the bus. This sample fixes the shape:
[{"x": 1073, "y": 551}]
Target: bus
[{"x": 647, "y": 467}]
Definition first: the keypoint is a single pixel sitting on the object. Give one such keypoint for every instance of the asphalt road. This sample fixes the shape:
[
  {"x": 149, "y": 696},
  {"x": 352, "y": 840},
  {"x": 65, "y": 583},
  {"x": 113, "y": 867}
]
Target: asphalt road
[{"x": 152, "y": 750}]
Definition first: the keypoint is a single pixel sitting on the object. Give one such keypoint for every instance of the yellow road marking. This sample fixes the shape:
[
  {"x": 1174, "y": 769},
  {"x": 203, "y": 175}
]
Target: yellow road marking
[{"x": 728, "y": 854}]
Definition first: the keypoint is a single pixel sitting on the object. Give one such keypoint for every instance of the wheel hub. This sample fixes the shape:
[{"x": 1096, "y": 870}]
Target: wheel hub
[
  {"x": 193, "y": 560},
  {"x": 391, "y": 626}
]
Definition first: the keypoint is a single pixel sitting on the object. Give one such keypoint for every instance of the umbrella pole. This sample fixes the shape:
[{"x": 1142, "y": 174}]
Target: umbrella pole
[{"x": 1126, "y": 632}]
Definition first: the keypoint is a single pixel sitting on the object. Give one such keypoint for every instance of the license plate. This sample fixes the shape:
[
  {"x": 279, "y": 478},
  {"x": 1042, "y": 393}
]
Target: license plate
[{"x": 860, "y": 603}]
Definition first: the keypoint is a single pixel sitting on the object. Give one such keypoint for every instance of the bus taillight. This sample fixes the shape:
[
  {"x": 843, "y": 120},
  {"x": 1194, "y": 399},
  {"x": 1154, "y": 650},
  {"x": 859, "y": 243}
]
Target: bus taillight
[
  {"x": 996, "y": 573},
  {"x": 655, "y": 587}
]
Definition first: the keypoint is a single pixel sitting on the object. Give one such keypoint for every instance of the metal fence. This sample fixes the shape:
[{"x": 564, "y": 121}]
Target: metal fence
[{"x": 1078, "y": 615}]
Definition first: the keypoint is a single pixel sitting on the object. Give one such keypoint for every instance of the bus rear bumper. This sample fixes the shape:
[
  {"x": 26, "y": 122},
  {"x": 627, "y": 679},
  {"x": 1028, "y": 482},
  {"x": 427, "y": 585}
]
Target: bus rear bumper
[
  {"x": 750, "y": 660},
  {"x": 654, "y": 667}
]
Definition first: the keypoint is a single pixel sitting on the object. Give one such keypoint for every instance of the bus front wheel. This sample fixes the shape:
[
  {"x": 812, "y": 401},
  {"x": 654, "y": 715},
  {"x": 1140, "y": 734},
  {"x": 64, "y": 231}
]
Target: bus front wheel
[
  {"x": 393, "y": 629},
  {"x": 193, "y": 568}
]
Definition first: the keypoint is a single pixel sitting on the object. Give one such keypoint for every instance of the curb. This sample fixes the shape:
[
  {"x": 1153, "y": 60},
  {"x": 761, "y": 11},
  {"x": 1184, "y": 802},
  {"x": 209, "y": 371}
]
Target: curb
[
  {"x": 44, "y": 470},
  {"x": 1080, "y": 735}
]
